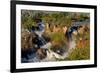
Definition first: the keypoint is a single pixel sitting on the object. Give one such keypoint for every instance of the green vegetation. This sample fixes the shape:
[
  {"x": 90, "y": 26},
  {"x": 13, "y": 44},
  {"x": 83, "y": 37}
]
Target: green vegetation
[
  {"x": 57, "y": 37},
  {"x": 82, "y": 50},
  {"x": 52, "y": 18},
  {"x": 79, "y": 54}
]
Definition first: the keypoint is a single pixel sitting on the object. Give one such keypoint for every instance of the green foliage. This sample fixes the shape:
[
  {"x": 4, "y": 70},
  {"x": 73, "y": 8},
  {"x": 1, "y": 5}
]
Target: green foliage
[
  {"x": 27, "y": 21},
  {"x": 84, "y": 52},
  {"x": 57, "y": 37},
  {"x": 53, "y": 18},
  {"x": 80, "y": 54}
]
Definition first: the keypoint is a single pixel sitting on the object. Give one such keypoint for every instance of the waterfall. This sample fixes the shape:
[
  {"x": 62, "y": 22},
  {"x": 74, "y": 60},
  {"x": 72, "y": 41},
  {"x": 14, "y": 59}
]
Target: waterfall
[{"x": 50, "y": 54}]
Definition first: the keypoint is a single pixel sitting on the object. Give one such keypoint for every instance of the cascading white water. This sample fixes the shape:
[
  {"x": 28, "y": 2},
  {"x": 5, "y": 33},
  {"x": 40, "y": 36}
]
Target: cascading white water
[{"x": 51, "y": 55}]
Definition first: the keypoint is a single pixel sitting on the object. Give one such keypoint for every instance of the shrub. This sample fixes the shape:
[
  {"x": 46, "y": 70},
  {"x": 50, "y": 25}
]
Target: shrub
[{"x": 79, "y": 54}]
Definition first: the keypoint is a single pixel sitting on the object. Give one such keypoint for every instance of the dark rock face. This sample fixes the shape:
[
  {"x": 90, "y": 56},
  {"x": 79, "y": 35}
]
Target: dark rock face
[
  {"x": 41, "y": 53},
  {"x": 26, "y": 53},
  {"x": 59, "y": 48},
  {"x": 59, "y": 51},
  {"x": 26, "y": 41},
  {"x": 39, "y": 41}
]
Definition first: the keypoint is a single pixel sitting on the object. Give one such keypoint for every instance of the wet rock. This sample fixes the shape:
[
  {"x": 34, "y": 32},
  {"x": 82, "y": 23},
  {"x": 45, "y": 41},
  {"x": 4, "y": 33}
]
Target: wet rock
[{"x": 41, "y": 53}]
